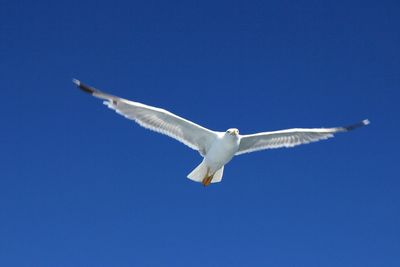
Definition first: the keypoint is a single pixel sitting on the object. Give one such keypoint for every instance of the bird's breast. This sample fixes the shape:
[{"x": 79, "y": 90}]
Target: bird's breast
[{"x": 221, "y": 152}]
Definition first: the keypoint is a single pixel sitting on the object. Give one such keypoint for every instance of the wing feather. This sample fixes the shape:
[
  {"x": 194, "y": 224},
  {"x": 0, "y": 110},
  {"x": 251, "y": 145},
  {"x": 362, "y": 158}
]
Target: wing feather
[
  {"x": 290, "y": 137},
  {"x": 158, "y": 120}
]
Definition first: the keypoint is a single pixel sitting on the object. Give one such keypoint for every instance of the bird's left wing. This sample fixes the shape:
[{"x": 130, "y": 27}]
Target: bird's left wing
[
  {"x": 289, "y": 137},
  {"x": 156, "y": 119}
]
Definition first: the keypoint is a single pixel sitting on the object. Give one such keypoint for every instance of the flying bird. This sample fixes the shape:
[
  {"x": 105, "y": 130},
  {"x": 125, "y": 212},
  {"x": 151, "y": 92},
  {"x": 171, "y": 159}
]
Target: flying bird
[{"x": 216, "y": 148}]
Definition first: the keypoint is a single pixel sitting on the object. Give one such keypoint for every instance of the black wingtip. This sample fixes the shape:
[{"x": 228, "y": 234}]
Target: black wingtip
[
  {"x": 85, "y": 88},
  {"x": 357, "y": 125}
]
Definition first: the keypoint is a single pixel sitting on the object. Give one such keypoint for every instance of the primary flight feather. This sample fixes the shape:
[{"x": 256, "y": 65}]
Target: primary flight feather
[{"x": 217, "y": 148}]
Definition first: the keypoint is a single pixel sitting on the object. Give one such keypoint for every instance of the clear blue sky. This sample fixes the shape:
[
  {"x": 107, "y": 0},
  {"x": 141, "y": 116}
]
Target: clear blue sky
[{"x": 82, "y": 186}]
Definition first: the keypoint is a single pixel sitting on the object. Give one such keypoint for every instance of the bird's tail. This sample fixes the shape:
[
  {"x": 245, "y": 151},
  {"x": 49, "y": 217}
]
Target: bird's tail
[
  {"x": 218, "y": 175},
  {"x": 199, "y": 173},
  {"x": 202, "y": 171}
]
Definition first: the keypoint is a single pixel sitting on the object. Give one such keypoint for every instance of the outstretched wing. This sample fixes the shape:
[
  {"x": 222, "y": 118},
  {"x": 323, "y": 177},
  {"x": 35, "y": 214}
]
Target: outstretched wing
[
  {"x": 289, "y": 137},
  {"x": 156, "y": 119}
]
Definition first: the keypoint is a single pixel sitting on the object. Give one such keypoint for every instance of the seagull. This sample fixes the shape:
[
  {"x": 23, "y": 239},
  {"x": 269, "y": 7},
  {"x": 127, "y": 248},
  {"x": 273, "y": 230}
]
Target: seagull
[{"x": 216, "y": 148}]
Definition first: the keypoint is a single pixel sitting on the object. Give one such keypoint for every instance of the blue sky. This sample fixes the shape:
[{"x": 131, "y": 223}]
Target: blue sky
[{"x": 81, "y": 186}]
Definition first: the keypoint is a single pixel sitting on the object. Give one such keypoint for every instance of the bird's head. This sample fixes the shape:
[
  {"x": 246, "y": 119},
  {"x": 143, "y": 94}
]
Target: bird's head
[{"x": 233, "y": 131}]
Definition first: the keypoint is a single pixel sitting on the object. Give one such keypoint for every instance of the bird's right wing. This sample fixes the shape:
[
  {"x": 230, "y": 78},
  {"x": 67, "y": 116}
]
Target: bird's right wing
[
  {"x": 289, "y": 137},
  {"x": 156, "y": 119}
]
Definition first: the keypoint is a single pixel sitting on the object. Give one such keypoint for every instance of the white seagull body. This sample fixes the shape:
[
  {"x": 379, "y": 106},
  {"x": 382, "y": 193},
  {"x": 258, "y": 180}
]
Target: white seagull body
[{"x": 217, "y": 148}]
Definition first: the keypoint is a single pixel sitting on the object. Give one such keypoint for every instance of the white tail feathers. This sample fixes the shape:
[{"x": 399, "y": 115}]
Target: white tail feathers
[
  {"x": 218, "y": 175},
  {"x": 201, "y": 172}
]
